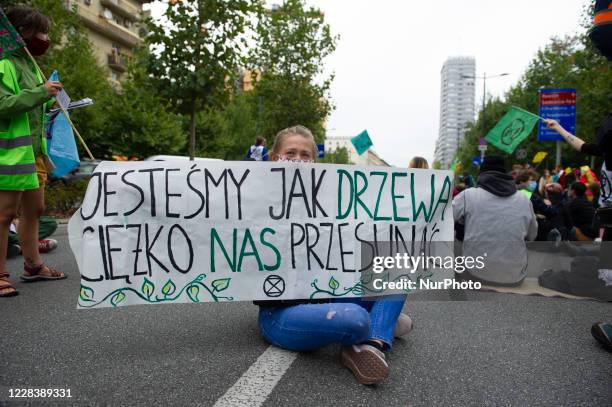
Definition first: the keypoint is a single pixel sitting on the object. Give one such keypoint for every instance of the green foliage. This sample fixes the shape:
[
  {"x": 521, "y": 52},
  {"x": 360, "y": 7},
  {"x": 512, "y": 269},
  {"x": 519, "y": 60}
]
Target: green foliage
[
  {"x": 196, "y": 50},
  {"x": 293, "y": 40},
  {"x": 143, "y": 123},
  {"x": 338, "y": 156},
  {"x": 229, "y": 131},
  {"x": 288, "y": 101},
  {"x": 63, "y": 199}
]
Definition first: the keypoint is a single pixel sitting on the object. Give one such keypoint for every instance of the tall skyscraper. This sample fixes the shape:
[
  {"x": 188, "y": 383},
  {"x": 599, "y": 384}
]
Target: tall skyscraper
[{"x": 457, "y": 98}]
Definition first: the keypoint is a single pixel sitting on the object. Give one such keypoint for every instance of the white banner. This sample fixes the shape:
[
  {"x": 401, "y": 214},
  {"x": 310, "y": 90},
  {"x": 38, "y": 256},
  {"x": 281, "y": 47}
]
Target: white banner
[{"x": 160, "y": 232}]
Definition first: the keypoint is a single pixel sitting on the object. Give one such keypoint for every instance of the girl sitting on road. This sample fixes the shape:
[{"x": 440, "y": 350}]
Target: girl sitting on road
[{"x": 364, "y": 328}]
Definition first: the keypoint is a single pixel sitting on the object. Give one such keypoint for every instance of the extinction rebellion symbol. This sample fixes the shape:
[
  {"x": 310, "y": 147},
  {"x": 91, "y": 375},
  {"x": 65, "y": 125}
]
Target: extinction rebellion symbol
[
  {"x": 512, "y": 131},
  {"x": 274, "y": 286}
]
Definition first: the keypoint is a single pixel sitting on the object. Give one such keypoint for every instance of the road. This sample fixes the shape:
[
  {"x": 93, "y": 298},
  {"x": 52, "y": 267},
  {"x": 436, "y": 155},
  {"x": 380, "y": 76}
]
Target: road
[{"x": 490, "y": 349}]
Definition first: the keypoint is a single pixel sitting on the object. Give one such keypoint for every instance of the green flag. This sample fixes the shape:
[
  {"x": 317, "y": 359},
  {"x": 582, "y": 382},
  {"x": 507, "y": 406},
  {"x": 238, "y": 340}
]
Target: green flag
[
  {"x": 10, "y": 40},
  {"x": 362, "y": 142},
  {"x": 512, "y": 129}
]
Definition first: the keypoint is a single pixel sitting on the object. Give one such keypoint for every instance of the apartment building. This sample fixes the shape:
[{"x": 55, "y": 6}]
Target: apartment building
[{"x": 114, "y": 28}]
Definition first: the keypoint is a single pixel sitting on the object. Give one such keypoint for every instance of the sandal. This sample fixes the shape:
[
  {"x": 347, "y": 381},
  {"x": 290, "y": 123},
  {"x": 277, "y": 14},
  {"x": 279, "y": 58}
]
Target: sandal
[
  {"x": 34, "y": 273},
  {"x": 6, "y": 287}
]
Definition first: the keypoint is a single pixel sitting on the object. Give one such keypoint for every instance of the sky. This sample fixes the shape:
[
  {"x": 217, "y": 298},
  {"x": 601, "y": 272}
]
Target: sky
[{"x": 388, "y": 60}]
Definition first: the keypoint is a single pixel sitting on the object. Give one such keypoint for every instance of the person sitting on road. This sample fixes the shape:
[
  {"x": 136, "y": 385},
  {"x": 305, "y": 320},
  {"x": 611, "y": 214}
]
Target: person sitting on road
[
  {"x": 579, "y": 214},
  {"x": 365, "y": 328},
  {"x": 526, "y": 184},
  {"x": 258, "y": 152},
  {"x": 552, "y": 227},
  {"x": 497, "y": 221}
]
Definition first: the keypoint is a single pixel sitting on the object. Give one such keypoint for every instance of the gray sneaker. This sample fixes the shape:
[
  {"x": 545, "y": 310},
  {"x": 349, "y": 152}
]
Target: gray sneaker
[
  {"x": 403, "y": 326},
  {"x": 367, "y": 363}
]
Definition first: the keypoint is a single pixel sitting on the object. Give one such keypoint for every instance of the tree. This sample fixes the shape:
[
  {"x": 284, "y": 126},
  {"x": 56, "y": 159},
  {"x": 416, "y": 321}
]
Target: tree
[
  {"x": 228, "y": 132},
  {"x": 139, "y": 122},
  {"x": 196, "y": 51},
  {"x": 293, "y": 40},
  {"x": 338, "y": 156}
]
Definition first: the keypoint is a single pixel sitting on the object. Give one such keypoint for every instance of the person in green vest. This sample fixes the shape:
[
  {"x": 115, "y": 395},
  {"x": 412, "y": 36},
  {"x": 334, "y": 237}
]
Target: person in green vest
[{"x": 24, "y": 96}]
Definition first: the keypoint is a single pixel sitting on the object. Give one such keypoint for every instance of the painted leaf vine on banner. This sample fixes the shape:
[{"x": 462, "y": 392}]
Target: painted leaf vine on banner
[
  {"x": 169, "y": 288},
  {"x": 86, "y": 294},
  {"x": 117, "y": 298},
  {"x": 221, "y": 284},
  {"x": 147, "y": 288},
  {"x": 192, "y": 293}
]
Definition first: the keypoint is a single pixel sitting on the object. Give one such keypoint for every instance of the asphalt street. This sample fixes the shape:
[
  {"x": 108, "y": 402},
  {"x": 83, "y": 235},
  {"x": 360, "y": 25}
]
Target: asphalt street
[{"x": 491, "y": 349}]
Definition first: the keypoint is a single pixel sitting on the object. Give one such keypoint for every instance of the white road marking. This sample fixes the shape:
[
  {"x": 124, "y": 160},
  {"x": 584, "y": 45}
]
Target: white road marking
[{"x": 256, "y": 384}]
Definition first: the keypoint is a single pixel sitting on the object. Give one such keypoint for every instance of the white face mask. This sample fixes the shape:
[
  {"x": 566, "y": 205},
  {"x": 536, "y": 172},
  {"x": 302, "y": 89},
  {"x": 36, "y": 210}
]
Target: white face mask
[{"x": 284, "y": 159}]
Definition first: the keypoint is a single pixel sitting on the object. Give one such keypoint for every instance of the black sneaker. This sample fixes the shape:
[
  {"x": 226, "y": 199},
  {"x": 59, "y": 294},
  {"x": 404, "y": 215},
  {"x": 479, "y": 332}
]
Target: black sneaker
[{"x": 603, "y": 333}]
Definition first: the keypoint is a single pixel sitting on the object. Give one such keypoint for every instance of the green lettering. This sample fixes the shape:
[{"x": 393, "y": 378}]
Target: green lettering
[
  {"x": 344, "y": 215},
  {"x": 243, "y": 253},
  {"x": 262, "y": 238},
  {"x": 214, "y": 236},
  {"x": 380, "y": 191},
  {"x": 358, "y": 201},
  {"x": 396, "y": 217},
  {"x": 426, "y": 215}
]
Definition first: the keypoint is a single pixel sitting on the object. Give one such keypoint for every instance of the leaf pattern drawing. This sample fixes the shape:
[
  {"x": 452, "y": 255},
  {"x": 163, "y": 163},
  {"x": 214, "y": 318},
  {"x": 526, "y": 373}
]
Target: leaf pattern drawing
[{"x": 168, "y": 293}]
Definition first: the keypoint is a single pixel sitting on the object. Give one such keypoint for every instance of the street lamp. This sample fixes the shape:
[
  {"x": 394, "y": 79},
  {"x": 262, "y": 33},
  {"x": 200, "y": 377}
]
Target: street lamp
[{"x": 484, "y": 97}]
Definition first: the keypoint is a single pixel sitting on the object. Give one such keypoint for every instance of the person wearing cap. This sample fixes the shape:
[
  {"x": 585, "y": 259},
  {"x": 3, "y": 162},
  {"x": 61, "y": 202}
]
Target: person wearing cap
[{"x": 497, "y": 219}]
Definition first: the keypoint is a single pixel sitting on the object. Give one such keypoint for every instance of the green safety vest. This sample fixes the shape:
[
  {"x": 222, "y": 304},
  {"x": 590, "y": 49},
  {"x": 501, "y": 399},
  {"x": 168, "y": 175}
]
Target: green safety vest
[
  {"x": 527, "y": 193},
  {"x": 17, "y": 160}
]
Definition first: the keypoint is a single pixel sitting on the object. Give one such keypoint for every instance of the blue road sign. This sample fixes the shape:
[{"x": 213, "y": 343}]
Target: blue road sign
[
  {"x": 558, "y": 104},
  {"x": 321, "y": 150}
]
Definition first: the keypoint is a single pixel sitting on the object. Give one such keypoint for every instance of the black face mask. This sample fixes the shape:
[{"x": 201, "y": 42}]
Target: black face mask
[{"x": 36, "y": 46}]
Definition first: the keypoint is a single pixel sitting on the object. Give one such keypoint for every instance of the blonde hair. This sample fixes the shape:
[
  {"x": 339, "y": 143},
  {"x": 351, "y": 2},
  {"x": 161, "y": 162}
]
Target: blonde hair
[
  {"x": 418, "y": 162},
  {"x": 282, "y": 135}
]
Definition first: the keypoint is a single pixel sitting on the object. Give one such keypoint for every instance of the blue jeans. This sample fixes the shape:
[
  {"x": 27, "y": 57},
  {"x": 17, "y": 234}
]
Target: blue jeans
[{"x": 348, "y": 321}]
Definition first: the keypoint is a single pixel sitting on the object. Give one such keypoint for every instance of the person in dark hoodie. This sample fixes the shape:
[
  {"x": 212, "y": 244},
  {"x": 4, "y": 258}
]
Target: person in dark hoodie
[
  {"x": 497, "y": 221},
  {"x": 579, "y": 213}
]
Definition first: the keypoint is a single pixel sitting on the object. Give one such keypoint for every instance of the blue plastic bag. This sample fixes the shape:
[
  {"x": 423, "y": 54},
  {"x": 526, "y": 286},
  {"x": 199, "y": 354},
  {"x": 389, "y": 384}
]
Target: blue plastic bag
[{"x": 61, "y": 147}]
